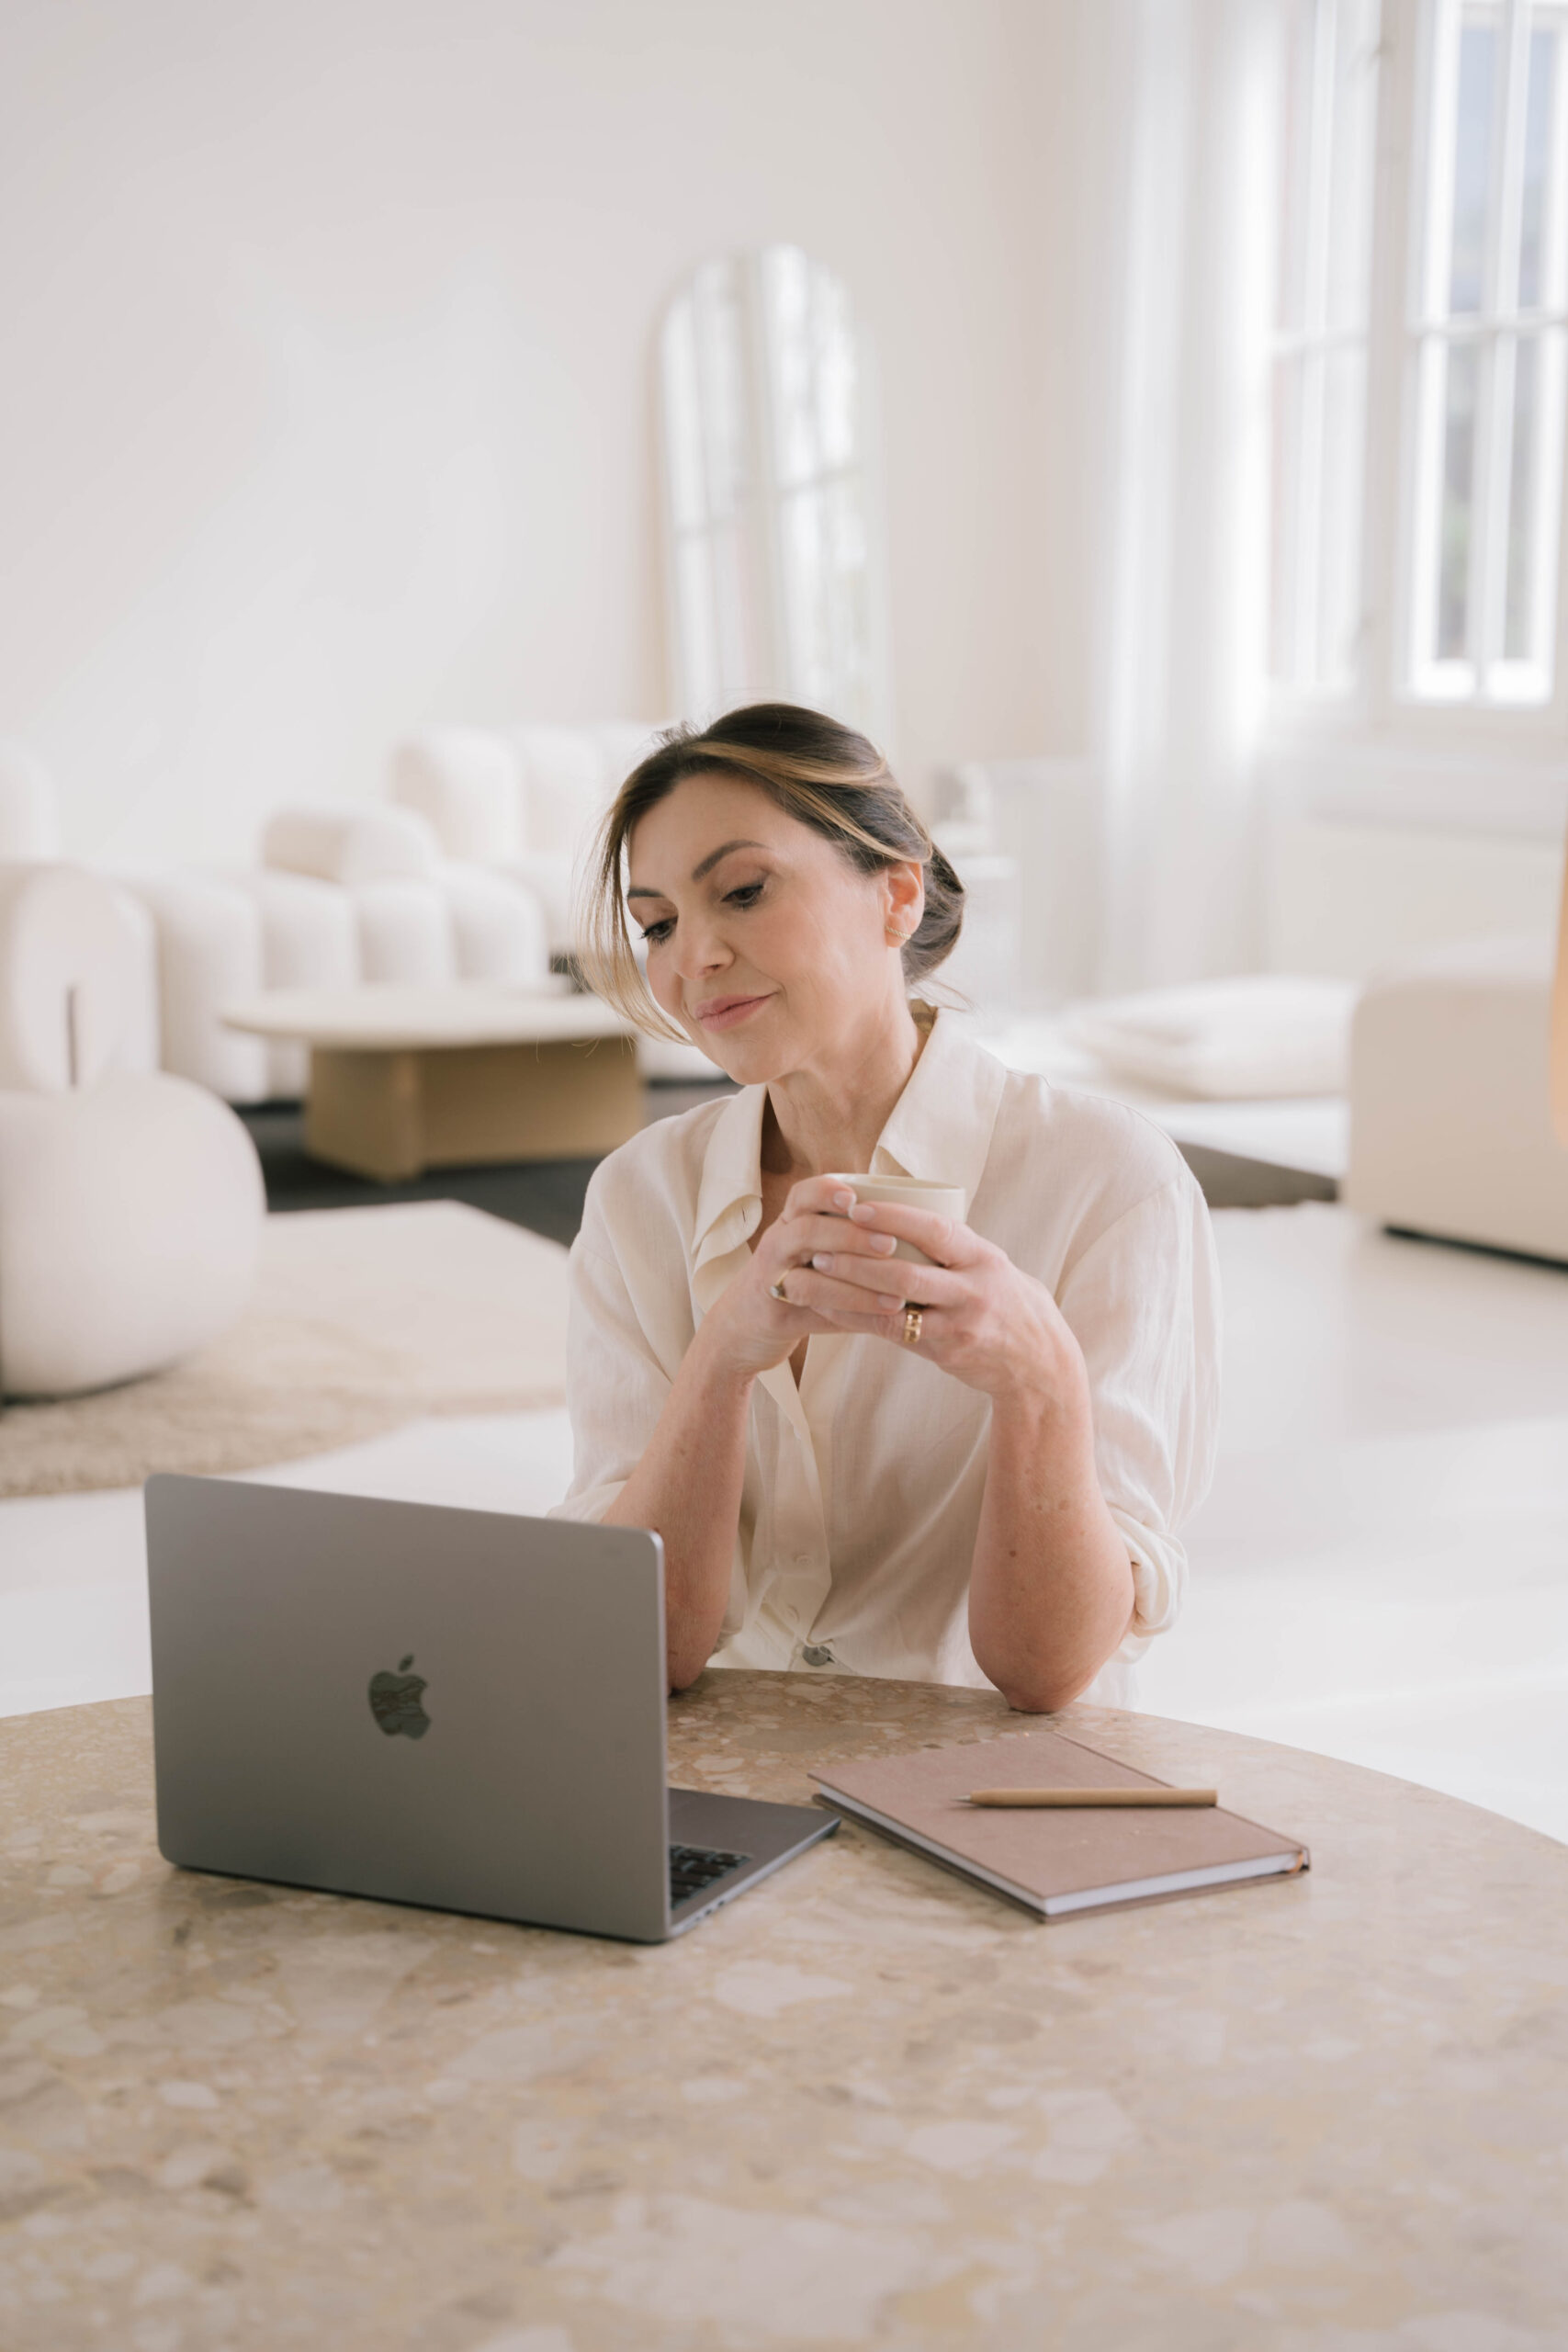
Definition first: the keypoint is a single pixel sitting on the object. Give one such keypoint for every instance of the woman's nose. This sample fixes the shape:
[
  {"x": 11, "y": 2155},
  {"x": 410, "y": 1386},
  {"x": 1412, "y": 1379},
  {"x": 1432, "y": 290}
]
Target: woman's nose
[{"x": 702, "y": 951}]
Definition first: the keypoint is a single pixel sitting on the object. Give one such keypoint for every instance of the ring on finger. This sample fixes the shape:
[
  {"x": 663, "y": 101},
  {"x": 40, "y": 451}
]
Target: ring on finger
[
  {"x": 913, "y": 1319},
  {"x": 776, "y": 1290}
]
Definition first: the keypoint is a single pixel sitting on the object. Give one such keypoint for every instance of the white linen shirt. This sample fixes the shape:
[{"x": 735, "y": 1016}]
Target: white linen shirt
[{"x": 862, "y": 1486}]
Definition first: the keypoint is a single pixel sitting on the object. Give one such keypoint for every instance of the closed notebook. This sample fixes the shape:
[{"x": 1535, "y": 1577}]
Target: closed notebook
[{"x": 1056, "y": 1861}]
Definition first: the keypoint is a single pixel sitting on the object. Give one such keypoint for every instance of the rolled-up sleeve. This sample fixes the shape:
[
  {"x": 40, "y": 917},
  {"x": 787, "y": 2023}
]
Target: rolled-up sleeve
[{"x": 1143, "y": 1304}]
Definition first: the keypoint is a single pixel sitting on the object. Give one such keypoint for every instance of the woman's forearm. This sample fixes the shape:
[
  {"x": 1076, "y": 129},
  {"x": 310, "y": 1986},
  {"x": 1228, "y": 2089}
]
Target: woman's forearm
[
  {"x": 1051, "y": 1587},
  {"x": 687, "y": 1488}
]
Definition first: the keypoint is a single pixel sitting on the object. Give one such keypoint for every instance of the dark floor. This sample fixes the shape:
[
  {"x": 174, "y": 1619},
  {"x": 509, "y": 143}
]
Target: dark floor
[
  {"x": 1230, "y": 1182},
  {"x": 547, "y": 1196}
]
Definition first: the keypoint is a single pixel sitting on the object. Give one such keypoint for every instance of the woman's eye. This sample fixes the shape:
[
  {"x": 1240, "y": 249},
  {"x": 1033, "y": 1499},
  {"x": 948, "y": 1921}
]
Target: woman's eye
[
  {"x": 657, "y": 933},
  {"x": 745, "y": 896}
]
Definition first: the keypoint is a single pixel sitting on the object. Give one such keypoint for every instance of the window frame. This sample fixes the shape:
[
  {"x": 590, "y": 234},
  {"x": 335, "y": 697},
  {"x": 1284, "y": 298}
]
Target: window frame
[
  {"x": 1402, "y": 755},
  {"x": 1496, "y": 329}
]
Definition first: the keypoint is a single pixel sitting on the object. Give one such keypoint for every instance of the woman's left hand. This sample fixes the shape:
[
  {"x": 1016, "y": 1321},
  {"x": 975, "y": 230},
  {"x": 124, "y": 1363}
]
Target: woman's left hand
[{"x": 990, "y": 1325}]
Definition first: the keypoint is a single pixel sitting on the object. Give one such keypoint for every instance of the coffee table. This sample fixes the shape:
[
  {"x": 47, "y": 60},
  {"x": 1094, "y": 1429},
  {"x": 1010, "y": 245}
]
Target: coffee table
[
  {"x": 868, "y": 2103},
  {"x": 404, "y": 1079}
]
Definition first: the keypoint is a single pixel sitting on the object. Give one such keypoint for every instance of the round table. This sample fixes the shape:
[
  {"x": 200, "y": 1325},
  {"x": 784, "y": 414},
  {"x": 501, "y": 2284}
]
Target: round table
[{"x": 868, "y": 2103}]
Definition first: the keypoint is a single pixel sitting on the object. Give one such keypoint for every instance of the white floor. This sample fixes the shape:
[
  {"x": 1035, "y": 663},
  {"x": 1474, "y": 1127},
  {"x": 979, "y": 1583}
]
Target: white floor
[{"x": 1380, "y": 1573}]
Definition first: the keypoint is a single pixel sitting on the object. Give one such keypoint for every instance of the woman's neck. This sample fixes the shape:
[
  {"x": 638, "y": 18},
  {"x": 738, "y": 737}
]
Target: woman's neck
[{"x": 829, "y": 1116}]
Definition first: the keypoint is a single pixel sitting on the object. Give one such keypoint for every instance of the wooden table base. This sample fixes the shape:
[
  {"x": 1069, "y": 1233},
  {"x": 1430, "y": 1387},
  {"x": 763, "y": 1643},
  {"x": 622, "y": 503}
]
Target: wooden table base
[{"x": 392, "y": 1114}]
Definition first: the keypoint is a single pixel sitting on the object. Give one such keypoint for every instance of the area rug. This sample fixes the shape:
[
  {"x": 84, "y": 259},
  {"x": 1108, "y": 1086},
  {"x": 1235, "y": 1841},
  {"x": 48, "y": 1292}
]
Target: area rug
[{"x": 361, "y": 1319}]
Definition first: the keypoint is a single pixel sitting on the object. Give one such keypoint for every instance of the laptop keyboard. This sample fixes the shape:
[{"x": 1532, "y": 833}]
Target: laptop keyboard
[{"x": 693, "y": 1868}]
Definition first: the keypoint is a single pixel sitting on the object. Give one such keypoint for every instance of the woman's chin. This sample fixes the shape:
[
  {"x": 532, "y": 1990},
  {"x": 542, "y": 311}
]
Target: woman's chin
[{"x": 748, "y": 1061}]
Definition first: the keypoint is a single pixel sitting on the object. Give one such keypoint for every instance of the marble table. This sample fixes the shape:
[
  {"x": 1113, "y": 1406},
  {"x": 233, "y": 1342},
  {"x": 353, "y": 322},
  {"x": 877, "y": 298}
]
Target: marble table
[{"x": 866, "y": 2104}]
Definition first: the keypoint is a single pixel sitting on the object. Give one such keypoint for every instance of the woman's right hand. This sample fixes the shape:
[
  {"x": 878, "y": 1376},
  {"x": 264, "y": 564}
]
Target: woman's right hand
[{"x": 749, "y": 1329}]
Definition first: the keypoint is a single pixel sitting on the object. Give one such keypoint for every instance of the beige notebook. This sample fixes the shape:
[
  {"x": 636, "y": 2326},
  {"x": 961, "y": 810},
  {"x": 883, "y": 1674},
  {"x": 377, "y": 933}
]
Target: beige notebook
[{"x": 1055, "y": 1862}]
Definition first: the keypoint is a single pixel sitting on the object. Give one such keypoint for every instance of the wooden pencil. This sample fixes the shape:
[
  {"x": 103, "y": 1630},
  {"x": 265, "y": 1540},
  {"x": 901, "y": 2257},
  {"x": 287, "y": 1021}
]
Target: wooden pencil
[{"x": 1097, "y": 1797}]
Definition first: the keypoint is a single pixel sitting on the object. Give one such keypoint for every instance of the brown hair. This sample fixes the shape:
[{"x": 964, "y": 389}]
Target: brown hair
[{"x": 823, "y": 774}]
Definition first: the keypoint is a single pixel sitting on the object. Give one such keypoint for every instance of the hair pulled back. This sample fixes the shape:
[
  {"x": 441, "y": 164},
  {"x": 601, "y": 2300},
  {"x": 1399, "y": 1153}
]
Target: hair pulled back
[{"x": 824, "y": 774}]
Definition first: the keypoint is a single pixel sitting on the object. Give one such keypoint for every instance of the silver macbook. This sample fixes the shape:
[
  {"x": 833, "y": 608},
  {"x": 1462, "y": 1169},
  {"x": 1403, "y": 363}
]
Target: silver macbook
[{"x": 454, "y": 1708}]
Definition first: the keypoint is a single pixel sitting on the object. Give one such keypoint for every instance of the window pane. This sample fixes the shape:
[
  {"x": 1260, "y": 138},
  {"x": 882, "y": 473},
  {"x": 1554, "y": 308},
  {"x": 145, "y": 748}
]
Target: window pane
[
  {"x": 1534, "y": 492},
  {"x": 684, "y": 419},
  {"x": 1474, "y": 123},
  {"x": 811, "y": 342},
  {"x": 826, "y": 602},
  {"x": 1540, "y": 108},
  {"x": 1456, "y": 512},
  {"x": 707, "y": 431},
  {"x": 1339, "y": 518},
  {"x": 1286, "y": 656}
]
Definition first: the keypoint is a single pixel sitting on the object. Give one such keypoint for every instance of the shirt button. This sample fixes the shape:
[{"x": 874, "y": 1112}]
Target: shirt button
[{"x": 815, "y": 1655}]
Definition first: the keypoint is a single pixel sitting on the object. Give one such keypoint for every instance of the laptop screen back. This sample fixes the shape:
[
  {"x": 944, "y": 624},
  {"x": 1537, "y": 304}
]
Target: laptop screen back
[{"x": 459, "y": 1708}]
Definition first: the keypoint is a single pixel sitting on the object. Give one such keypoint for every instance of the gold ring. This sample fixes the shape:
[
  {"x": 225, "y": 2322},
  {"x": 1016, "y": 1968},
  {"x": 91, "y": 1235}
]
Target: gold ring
[
  {"x": 913, "y": 1319},
  {"x": 776, "y": 1290}
]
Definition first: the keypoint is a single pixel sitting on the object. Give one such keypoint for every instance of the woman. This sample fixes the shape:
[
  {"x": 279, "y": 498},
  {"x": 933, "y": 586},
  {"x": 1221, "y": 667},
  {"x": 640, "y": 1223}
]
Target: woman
[{"x": 966, "y": 1472}]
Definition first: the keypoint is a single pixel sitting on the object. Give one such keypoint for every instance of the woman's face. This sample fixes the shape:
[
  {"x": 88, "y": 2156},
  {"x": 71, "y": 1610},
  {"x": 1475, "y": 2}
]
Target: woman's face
[{"x": 764, "y": 944}]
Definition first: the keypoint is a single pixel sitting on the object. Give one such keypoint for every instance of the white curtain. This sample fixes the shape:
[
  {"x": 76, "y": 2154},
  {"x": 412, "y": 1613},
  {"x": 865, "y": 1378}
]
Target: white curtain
[{"x": 1190, "y": 89}]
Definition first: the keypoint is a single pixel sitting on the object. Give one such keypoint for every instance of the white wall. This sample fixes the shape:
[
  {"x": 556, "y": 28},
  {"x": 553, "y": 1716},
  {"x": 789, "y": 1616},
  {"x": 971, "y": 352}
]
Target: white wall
[{"x": 327, "y": 407}]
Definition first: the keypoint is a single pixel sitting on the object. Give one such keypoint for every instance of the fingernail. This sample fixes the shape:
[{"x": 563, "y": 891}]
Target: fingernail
[
  {"x": 823, "y": 1263},
  {"x": 862, "y": 1210},
  {"x": 888, "y": 1304},
  {"x": 884, "y": 1243},
  {"x": 843, "y": 1200}
]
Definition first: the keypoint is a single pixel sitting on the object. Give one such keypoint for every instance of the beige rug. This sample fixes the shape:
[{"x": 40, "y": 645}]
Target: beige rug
[{"x": 361, "y": 1319}]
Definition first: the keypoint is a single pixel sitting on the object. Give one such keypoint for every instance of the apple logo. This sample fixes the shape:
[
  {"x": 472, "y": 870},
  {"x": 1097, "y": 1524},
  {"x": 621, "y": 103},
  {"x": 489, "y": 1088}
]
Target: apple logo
[{"x": 394, "y": 1701}]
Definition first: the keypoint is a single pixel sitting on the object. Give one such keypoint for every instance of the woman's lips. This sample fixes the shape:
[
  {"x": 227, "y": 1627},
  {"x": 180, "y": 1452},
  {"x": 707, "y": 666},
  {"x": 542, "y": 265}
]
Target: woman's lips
[{"x": 725, "y": 1012}]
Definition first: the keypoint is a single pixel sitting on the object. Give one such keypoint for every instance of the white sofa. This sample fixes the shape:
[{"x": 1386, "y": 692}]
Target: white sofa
[
  {"x": 1450, "y": 1111},
  {"x": 130, "y": 1201},
  {"x": 524, "y": 802},
  {"x": 340, "y": 896},
  {"x": 466, "y": 874}
]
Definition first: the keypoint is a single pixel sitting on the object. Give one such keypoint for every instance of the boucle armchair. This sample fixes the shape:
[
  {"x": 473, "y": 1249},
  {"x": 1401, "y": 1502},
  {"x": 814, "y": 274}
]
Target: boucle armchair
[{"x": 130, "y": 1201}]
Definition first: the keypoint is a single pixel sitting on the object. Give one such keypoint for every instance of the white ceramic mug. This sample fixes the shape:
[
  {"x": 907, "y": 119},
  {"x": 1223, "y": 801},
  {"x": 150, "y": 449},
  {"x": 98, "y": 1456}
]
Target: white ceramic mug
[{"x": 910, "y": 1193}]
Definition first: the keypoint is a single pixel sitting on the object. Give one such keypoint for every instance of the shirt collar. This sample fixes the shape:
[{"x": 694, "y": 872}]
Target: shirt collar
[
  {"x": 939, "y": 1128},
  {"x": 942, "y": 1124}
]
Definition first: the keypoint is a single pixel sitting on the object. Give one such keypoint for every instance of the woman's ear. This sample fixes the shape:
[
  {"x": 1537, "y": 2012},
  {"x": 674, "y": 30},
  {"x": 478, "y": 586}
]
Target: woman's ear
[{"x": 904, "y": 892}]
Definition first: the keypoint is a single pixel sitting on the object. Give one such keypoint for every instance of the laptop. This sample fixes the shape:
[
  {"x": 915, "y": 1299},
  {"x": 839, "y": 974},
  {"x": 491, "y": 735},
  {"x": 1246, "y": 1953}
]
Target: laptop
[{"x": 459, "y": 1708}]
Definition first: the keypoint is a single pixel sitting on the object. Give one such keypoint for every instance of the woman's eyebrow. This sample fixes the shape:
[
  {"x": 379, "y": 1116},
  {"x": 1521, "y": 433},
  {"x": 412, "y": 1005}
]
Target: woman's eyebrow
[
  {"x": 711, "y": 860},
  {"x": 706, "y": 867}
]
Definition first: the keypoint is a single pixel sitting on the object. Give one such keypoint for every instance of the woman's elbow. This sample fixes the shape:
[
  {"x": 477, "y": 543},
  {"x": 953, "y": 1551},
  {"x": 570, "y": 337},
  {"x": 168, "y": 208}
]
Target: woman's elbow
[
  {"x": 1044, "y": 1695},
  {"x": 1036, "y": 1686}
]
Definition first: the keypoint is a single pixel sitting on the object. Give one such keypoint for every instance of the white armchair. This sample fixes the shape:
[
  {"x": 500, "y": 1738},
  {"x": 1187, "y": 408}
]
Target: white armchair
[
  {"x": 130, "y": 1202},
  {"x": 1450, "y": 1098}
]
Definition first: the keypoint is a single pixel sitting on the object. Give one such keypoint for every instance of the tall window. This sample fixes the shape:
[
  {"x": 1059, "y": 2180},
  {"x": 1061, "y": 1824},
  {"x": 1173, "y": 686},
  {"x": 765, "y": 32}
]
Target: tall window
[
  {"x": 1487, "y": 353},
  {"x": 1320, "y": 341}
]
